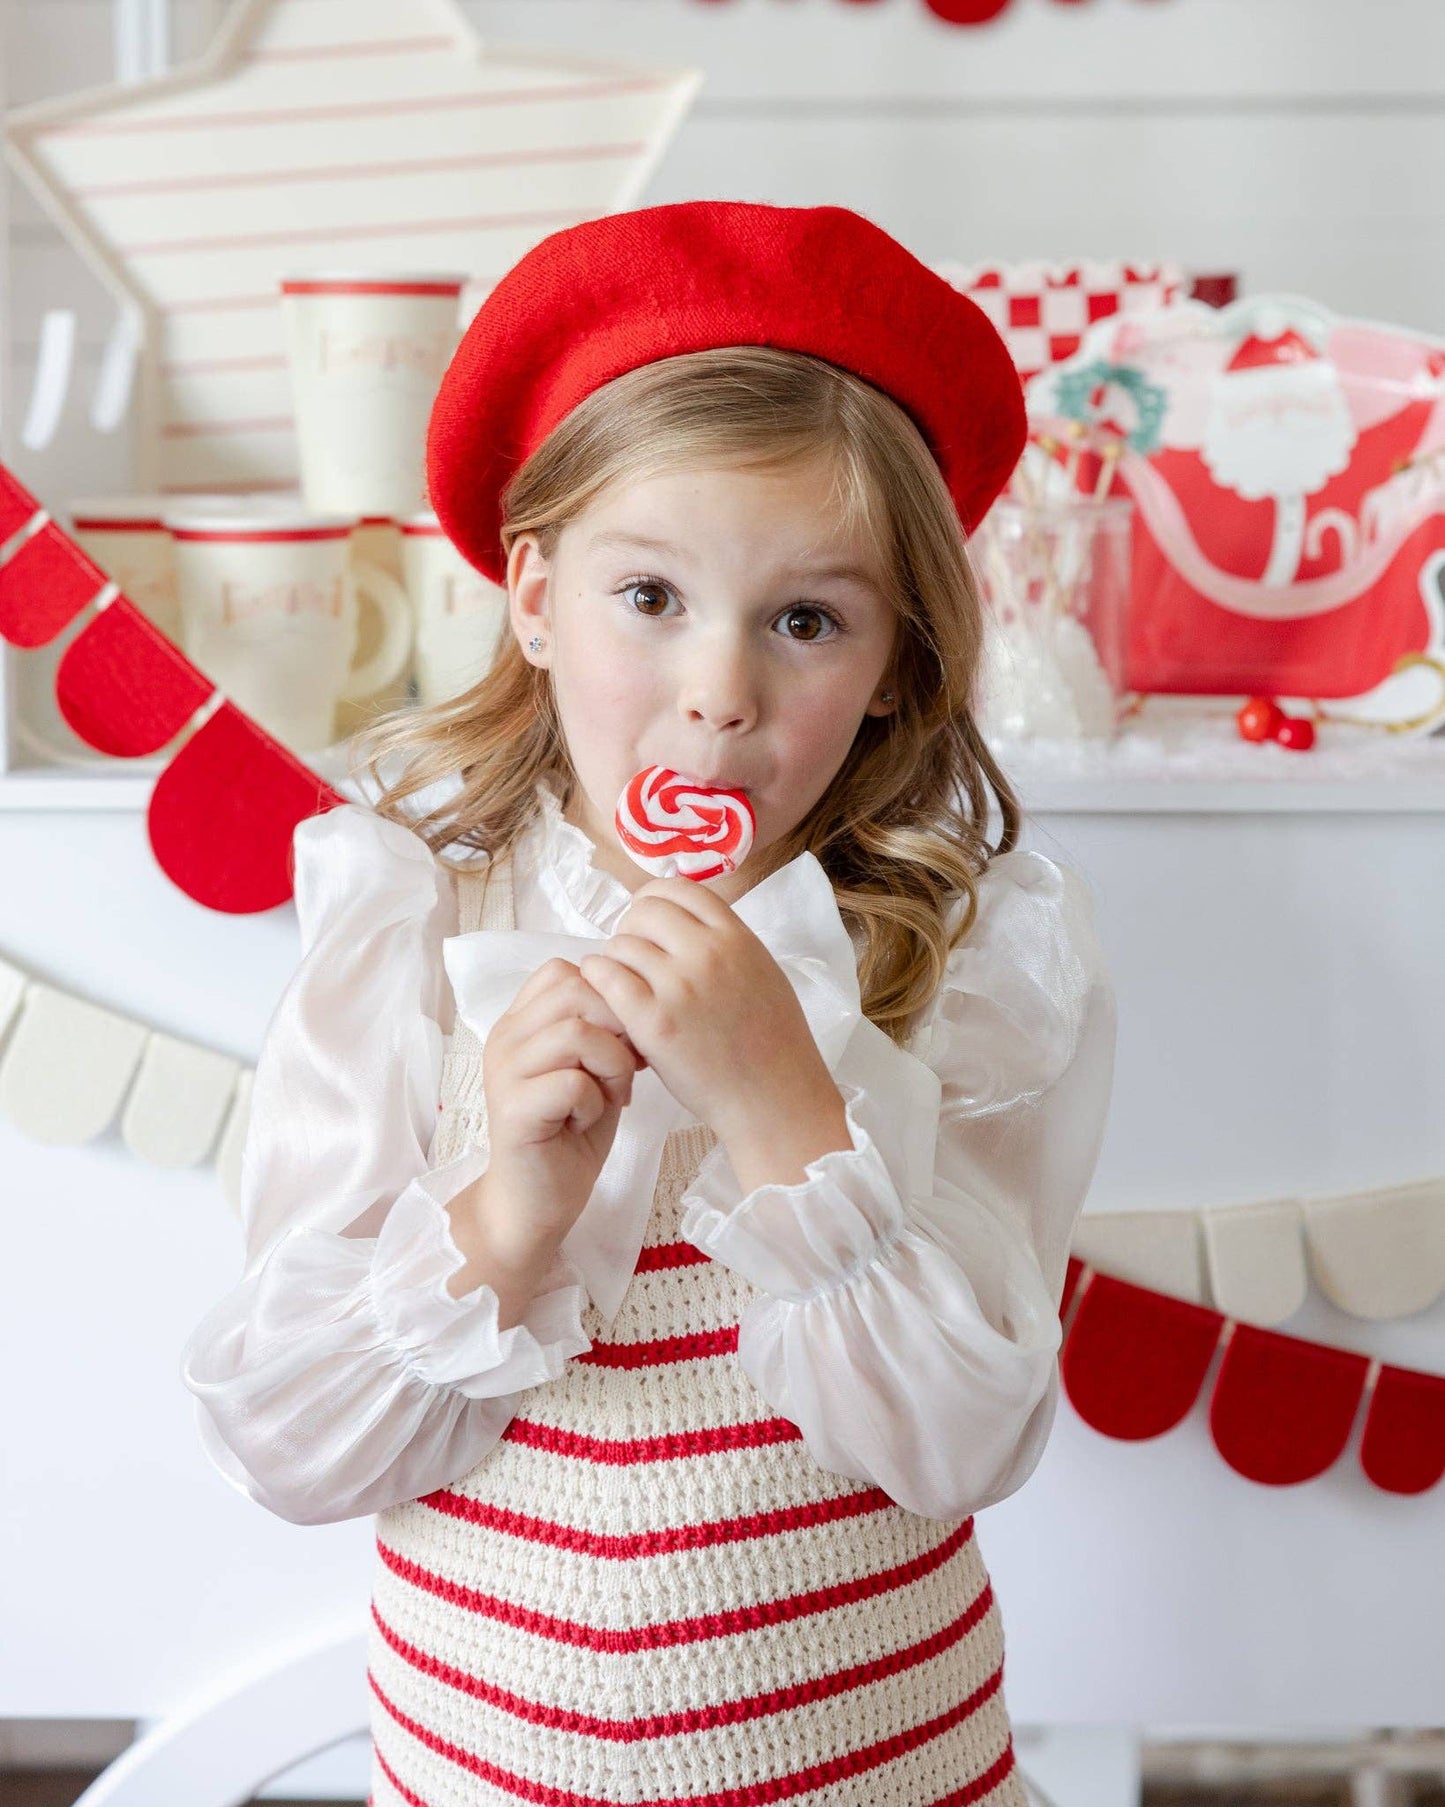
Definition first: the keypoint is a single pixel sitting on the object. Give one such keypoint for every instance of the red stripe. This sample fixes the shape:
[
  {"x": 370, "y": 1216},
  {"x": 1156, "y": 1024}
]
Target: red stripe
[
  {"x": 669, "y": 1254},
  {"x": 412, "y": 1800},
  {"x": 320, "y": 285},
  {"x": 669, "y": 1634},
  {"x": 315, "y": 235},
  {"x": 663, "y": 1350},
  {"x": 392, "y": 109},
  {"x": 259, "y": 536},
  {"x": 755, "y": 1434},
  {"x": 103, "y": 524},
  {"x": 355, "y": 172},
  {"x": 754, "y": 1794},
  {"x": 732, "y": 1711},
  {"x": 629, "y": 1546},
  {"x": 197, "y": 429}
]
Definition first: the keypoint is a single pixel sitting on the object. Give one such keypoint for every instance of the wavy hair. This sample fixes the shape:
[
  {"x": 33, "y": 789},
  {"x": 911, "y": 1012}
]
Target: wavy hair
[{"x": 902, "y": 829}]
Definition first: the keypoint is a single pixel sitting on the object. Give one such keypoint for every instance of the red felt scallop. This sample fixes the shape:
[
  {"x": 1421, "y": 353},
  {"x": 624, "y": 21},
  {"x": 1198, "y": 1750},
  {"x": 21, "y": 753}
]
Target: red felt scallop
[
  {"x": 966, "y": 12},
  {"x": 124, "y": 687},
  {"x": 1283, "y": 1407},
  {"x": 1134, "y": 1360},
  {"x": 17, "y": 505},
  {"x": 45, "y": 586},
  {"x": 223, "y": 813},
  {"x": 1403, "y": 1446}
]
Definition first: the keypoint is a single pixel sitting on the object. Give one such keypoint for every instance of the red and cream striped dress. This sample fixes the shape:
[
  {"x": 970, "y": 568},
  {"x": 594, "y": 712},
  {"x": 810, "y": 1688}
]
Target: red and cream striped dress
[{"x": 648, "y": 1592}]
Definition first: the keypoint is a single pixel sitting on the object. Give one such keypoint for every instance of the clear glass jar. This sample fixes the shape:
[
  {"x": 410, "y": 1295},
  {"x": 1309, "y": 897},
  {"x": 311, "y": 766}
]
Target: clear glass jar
[{"x": 1055, "y": 582}]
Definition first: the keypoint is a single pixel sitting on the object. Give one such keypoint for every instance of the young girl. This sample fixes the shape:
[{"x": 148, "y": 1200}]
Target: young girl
[{"x": 676, "y": 1343}]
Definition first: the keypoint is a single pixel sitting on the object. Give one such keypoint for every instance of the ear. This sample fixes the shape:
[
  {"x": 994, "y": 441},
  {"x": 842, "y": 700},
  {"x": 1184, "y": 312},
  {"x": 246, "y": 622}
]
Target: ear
[{"x": 527, "y": 580}]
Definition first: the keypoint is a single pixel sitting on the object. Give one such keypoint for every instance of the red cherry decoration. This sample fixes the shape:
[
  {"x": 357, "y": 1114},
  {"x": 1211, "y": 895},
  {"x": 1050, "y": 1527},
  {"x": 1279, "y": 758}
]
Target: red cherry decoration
[
  {"x": 1260, "y": 719},
  {"x": 1297, "y": 732}
]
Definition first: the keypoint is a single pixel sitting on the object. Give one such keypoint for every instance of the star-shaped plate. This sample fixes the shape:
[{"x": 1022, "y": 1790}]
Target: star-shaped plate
[{"x": 372, "y": 136}]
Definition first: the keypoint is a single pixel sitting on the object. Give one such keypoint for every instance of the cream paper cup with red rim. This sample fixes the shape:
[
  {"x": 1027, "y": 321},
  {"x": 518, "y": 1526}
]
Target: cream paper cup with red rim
[
  {"x": 367, "y": 354},
  {"x": 460, "y": 615},
  {"x": 269, "y": 611},
  {"x": 127, "y": 538}
]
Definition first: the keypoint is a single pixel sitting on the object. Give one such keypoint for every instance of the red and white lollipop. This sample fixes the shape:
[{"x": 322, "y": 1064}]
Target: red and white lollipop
[{"x": 673, "y": 827}]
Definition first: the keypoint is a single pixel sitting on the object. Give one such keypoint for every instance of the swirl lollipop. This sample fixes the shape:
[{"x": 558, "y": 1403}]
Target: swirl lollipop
[{"x": 674, "y": 828}]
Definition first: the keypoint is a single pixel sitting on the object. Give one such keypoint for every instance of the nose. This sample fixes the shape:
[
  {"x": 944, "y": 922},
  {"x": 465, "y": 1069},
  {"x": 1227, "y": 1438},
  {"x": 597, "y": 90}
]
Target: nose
[{"x": 718, "y": 688}]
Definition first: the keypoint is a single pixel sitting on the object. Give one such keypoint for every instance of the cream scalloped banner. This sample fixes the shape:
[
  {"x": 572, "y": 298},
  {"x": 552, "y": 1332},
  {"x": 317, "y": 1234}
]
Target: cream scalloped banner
[
  {"x": 69, "y": 1066},
  {"x": 1376, "y": 1254}
]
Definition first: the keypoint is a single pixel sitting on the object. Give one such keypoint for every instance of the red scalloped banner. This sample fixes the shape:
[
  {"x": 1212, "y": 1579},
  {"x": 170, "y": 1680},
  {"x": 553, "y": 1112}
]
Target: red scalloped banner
[
  {"x": 223, "y": 812},
  {"x": 962, "y": 12},
  {"x": 1282, "y": 1408}
]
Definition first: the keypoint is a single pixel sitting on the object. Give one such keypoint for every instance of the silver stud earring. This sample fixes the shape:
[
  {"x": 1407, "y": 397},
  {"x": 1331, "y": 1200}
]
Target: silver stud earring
[
  {"x": 534, "y": 645},
  {"x": 887, "y": 696}
]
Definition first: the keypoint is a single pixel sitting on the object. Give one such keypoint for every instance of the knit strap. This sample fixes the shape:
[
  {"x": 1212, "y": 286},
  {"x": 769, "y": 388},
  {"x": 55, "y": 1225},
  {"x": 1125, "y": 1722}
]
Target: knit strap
[{"x": 484, "y": 901}]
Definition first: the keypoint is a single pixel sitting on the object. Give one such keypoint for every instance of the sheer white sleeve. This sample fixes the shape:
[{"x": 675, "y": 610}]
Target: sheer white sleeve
[
  {"x": 339, "y": 1376},
  {"x": 908, "y": 1323}
]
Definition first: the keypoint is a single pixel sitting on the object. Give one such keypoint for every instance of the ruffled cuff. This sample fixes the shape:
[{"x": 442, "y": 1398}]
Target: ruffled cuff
[
  {"x": 455, "y": 1343},
  {"x": 801, "y": 1241}
]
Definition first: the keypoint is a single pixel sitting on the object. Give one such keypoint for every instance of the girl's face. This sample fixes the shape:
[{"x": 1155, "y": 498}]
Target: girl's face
[{"x": 720, "y": 622}]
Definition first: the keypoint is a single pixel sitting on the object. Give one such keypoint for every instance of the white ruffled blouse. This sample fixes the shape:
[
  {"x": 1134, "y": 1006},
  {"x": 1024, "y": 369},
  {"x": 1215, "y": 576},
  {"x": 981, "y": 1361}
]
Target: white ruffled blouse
[{"x": 907, "y": 1312}]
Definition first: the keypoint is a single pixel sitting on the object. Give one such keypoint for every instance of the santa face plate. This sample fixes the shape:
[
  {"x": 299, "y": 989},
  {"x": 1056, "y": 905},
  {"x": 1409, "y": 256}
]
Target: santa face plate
[{"x": 1288, "y": 473}]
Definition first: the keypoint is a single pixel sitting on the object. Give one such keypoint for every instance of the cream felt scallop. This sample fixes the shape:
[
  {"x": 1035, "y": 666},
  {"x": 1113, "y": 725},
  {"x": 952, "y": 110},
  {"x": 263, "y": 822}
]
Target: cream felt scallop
[
  {"x": 179, "y": 1101},
  {"x": 1158, "y": 1249},
  {"x": 1380, "y": 1254},
  {"x": 67, "y": 1066},
  {"x": 1256, "y": 1260}
]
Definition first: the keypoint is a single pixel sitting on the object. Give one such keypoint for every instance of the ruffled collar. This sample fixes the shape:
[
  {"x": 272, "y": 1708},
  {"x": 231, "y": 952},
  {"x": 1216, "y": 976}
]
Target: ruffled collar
[{"x": 585, "y": 899}]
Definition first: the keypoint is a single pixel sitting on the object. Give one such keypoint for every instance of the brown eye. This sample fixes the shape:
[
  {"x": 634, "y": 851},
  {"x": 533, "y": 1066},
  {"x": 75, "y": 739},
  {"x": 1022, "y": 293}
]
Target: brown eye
[
  {"x": 646, "y": 589},
  {"x": 793, "y": 615}
]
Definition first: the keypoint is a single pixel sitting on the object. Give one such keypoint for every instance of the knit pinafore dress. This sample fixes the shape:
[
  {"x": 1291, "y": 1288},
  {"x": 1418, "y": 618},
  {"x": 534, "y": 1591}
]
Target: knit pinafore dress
[{"x": 648, "y": 1591}]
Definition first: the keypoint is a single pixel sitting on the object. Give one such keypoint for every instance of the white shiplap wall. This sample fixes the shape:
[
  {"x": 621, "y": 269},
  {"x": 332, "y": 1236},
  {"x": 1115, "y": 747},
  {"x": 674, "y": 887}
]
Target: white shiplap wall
[{"x": 1299, "y": 142}]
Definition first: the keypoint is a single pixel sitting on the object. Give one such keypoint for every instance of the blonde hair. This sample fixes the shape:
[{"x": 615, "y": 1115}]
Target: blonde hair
[{"x": 901, "y": 830}]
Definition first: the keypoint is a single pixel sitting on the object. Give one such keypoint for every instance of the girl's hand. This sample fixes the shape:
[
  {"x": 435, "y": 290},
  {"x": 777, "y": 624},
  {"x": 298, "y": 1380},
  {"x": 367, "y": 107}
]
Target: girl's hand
[
  {"x": 557, "y": 1070},
  {"x": 702, "y": 999}
]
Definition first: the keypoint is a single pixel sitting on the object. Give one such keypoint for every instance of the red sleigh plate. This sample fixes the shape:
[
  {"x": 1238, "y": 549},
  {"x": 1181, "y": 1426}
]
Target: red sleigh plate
[{"x": 1288, "y": 473}]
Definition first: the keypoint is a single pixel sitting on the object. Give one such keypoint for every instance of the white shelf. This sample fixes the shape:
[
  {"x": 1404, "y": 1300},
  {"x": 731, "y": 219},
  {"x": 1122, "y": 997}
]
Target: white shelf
[
  {"x": 1179, "y": 755},
  {"x": 1184, "y": 755}
]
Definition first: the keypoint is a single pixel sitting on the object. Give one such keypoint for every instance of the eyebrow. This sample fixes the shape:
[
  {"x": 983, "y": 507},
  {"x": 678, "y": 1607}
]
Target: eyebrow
[{"x": 641, "y": 542}]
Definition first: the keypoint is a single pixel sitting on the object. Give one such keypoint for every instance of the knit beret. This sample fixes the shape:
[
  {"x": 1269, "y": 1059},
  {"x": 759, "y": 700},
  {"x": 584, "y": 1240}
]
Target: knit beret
[{"x": 595, "y": 300}]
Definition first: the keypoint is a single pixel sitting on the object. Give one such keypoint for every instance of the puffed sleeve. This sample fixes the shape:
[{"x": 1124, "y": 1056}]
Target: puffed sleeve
[
  {"x": 339, "y": 1376},
  {"x": 908, "y": 1323}
]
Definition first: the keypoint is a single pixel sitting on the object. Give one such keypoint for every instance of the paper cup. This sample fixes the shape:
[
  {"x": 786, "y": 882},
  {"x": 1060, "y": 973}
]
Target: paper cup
[
  {"x": 126, "y": 537},
  {"x": 367, "y": 354},
  {"x": 460, "y": 615},
  {"x": 269, "y": 611}
]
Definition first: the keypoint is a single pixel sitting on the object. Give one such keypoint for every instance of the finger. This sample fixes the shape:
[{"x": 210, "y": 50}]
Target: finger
[
  {"x": 667, "y": 923},
  {"x": 696, "y": 900},
  {"x": 644, "y": 959},
  {"x": 567, "y": 1098},
  {"x": 569, "y": 994},
  {"x": 573, "y": 1043}
]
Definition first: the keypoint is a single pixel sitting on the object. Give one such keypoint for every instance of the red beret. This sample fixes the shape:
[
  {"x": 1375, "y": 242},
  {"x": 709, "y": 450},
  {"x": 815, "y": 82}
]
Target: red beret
[{"x": 595, "y": 300}]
